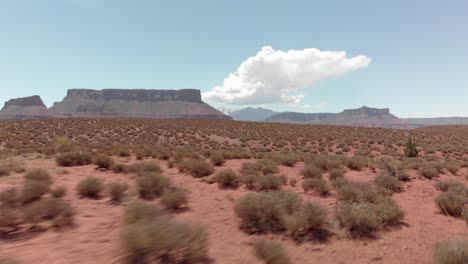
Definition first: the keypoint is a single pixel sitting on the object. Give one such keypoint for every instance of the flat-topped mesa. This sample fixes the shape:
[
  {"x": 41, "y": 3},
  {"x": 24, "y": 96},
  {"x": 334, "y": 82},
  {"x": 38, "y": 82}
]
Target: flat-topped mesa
[
  {"x": 184, "y": 103},
  {"x": 367, "y": 111},
  {"x": 140, "y": 95},
  {"x": 24, "y": 108},
  {"x": 34, "y": 100}
]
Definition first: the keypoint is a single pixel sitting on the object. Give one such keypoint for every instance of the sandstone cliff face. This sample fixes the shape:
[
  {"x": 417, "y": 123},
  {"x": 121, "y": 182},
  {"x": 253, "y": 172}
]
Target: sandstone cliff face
[
  {"x": 24, "y": 108},
  {"x": 185, "y": 103}
]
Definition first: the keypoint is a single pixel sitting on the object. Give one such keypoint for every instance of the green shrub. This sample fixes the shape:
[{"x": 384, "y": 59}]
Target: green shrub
[
  {"x": 451, "y": 252},
  {"x": 270, "y": 252},
  {"x": 311, "y": 171},
  {"x": 117, "y": 190},
  {"x": 388, "y": 182},
  {"x": 318, "y": 185},
  {"x": 197, "y": 168},
  {"x": 411, "y": 149},
  {"x": 164, "y": 241},
  {"x": 151, "y": 184},
  {"x": 309, "y": 221},
  {"x": 227, "y": 178},
  {"x": 103, "y": 161},
  {"x": 58, "y": 192},
  {"x": 89, "y": 187},
  {"x": 174, "y": 199},
  {"x": 451, "y": 203},
  {"x": 74, "y": 158},
  {"x": 138, "y": 211}
]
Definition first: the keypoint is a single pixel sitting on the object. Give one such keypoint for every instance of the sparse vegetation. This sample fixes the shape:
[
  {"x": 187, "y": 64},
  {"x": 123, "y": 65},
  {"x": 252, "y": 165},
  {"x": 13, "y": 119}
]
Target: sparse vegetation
[
  {"x": 103, "y": 161},
  {"x": 117, "y": 190},
  {"x": 90, "y": 187},
  {"x": 451, "y": 252},
  {"x": 270, "y": 252},
  {"x": 318, "y": 185},
  {"x": 151, "y": 184},
  {"x": 174, "y": 199},
  {"x": 227, "y": 178},
  {"x": 74, "y": 158},
  {"x": 197, "y": 168}
]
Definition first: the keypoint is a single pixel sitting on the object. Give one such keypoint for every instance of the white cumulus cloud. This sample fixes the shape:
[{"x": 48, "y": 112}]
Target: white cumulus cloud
[{"x": 275, "y": 76}]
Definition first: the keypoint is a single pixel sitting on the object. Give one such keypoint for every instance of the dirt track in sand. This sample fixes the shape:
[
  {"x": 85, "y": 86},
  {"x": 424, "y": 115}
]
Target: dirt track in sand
[{"x": 95, "y": 238}]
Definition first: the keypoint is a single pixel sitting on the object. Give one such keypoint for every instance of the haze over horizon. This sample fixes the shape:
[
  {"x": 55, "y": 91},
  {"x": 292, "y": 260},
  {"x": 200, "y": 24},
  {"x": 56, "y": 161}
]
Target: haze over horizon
[{"x": 306, "y": 57}]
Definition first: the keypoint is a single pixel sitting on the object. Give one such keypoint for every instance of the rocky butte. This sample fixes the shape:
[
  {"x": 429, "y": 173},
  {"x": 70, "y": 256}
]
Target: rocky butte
[
  {"x": 24, "y": 108},
  {"x": 184, "y": 103}
]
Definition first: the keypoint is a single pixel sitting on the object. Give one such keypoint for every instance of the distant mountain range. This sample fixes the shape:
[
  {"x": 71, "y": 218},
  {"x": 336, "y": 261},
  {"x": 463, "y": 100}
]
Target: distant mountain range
[
  {"x": 184, "y": 103},
  {"x": 364, "y": 116}
]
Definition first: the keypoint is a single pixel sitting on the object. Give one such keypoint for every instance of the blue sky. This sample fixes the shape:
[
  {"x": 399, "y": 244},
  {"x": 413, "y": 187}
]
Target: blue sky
[{"x": 418, "y": 49}]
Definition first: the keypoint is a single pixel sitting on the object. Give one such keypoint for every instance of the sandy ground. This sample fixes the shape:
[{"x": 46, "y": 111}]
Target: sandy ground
[{"x": 95, "y": 238}]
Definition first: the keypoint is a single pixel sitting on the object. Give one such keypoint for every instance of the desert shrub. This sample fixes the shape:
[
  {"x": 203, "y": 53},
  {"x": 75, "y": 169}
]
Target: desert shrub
[
  {"x": 10, "y": 219},
  {"x": 73, "y": 158},
  {"x": 363, "y": 219},
  {"x": 9, "y": 261},
  {"x": 451, "y": 185},
  {"x": 318, "y": 185},
  {"x": 124, "y": 152},
  {"x": 451, "y": 252},
  {"x": 327, "y": 162},
  {"x": 270, "y": 252},
  {"x": 217, "y": 159},
  {"x": 395, "y": 169},
  {"x": 10, "y": 197},
  {"x": 144, "y": 167},
  {"x": 89, "y": 187},
  {"x": 288, "y": 201},
  {"x": 151, "y": 184},
  {"x": 357, "y": 192},
  {"x": 117, "y": 190},
  {"x": 451, "y": 203},
  {"x": 249, "y": 181},
  {"x": 336, "y": 173},
  {"x": 465, "y": 215},
  {"x": 174, "y": 199},
  {"x": 138, "y": 211},
  {"x": 227, "y": 179},
  {"x": 268, "y": 182},
  {"x": 38, "y": 175},
  {"x": 311, "y": 171},
  {"x": 196, "y": 167},
  {"x": 164, "y": 241},
  {"x": 309, "y": 221},
  {"x": 286, "y": 159},
  {"x": 293, "y": 182},
  {"x": 260, "y": 213},
  {"x": 411, "y": 149},
  {"x": 428, "y": 171},
  {"x": 453, "y": 167},
  {"x": 356, "y": 163},
  {"x": 263, "y": 166},
  {"x": 103, "y": 161},
  {"x": 119, "y": 168},
  {"x": 34, "y": 189},
  {"x": 58, "y": 192},
  {"x": 338, "y": 182},
  {"x": 388, "y": 182},
  {"x": 56, "y": 210}
]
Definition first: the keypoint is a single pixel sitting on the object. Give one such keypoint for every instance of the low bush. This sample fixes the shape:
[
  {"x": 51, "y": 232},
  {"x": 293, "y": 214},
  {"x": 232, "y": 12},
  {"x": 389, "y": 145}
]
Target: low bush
[
  {"x": 388, "y": 182},
  {"x": 451, "y": 203},
  {"x": 138, "y": 211},
  {"x": 318, "y": 185},
  {"x": 286, "y": 159},
  {"x": 451, "y": 185},
  {"x": 356, "y": 163},
  {"x": 10, "y": 197},
  {"x": 292, "y": 181},
  {"x": 307, "y": 222},
  {"x": 311, "y": 171},
  {"x": 74, "y": 158},
  {"x": 119, "y": 168},
  {"x": 355, "y": 192},
  {"x": 56, "y": 210},
  {"x": 453, "y": 167},
  {"x": 196, "y": 167},
  {"x": 58, "y": 192},
  {"x": 270, "y": 252},
  {"x": 336, "y": 173},
  {"x": 164, "y": 241},
  {"x": 32, "y": 190},
  {"x": 151, "y": 184},
  {"x": 174, "y": 199},
  {"x": 38, "y": 175},
  {"x": 263, "y": 166},
  {"x": 227, "y": 178},
  {"x": 89, "y": 187},
  {"x": 103, "y": 161},
  {"x": 465, "y": 215},
  {"x": 10, "y": 219},
  {"x": 268, "y": 182},
  {"x": 451, "y": 252},
  {"x": 117, "y": 191},
  {"x": 144, "y": 167},
  {"x": 217, "y": 159},
  {"x": 428, "y": 171},
  {"x": 396, "y": 169}
]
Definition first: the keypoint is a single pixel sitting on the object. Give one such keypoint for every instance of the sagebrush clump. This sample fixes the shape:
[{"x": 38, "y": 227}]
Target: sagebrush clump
[
  {"x": 451, "y": 252},
  {"x": 90, "y": 187},
  {"x": 270, "y": 252}
]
